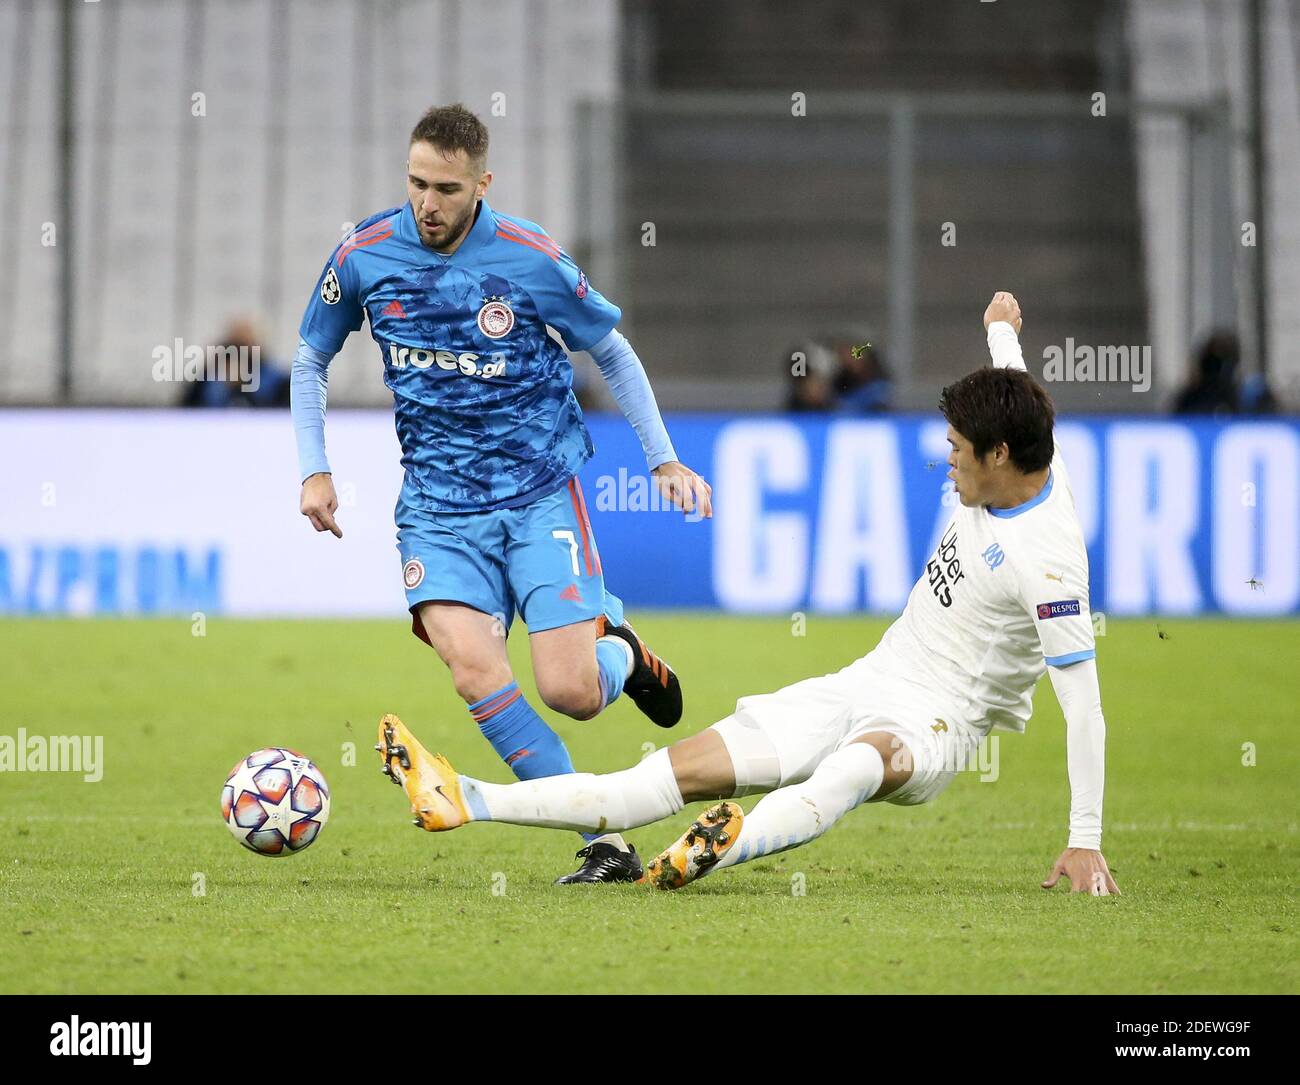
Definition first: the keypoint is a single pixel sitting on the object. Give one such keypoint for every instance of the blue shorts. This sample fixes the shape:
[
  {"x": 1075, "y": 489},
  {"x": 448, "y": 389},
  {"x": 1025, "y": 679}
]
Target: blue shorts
[{"x": 539, "y": 560}]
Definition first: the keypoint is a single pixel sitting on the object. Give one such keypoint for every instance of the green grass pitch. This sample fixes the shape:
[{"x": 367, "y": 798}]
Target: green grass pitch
[{"x": 98, "y": 880}]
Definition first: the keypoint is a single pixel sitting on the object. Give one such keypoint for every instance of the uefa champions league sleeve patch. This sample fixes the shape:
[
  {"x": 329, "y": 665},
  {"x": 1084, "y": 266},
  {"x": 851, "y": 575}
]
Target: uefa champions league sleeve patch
[
  {"x": 413, "y": 573},
  {"x": 330, "y": 291},
  {"x": 1059, "y": 609}
]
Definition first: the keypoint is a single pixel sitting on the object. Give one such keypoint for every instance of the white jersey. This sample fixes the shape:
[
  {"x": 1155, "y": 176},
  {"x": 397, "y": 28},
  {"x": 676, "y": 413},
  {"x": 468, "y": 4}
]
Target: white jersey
[{"x": 1004, "y": 594}]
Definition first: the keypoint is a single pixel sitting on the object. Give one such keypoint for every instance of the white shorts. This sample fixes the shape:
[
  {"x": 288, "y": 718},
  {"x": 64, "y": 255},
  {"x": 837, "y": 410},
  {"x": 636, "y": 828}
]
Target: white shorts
[{"x": 802, "y": 724}]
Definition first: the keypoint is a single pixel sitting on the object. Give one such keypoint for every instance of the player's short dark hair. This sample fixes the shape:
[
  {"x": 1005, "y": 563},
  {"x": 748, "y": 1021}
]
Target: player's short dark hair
[
  {"x": 994, "y": 406},
  {"x": 452, "y": 128}
]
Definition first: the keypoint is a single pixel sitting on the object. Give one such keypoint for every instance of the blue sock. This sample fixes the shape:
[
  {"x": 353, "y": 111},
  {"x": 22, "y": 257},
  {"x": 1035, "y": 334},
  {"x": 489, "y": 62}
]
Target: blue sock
[
  {"x": 521, "y": 737},
  {"x": 611, "y": 661}
]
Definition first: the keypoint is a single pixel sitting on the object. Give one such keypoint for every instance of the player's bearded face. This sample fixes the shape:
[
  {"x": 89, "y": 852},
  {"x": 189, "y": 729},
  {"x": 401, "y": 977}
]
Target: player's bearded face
[{"x": 444, "y": 192}]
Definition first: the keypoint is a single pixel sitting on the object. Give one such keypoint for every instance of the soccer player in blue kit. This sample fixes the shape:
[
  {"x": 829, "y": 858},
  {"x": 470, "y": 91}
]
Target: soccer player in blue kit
[{"x": 491, "y": 519}]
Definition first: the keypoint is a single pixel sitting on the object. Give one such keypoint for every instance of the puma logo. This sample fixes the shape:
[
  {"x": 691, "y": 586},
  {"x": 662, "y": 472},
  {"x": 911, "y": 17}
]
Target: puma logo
[
  {"x": 939, "y": 725},
  {"x": 1053, "y": 576}
]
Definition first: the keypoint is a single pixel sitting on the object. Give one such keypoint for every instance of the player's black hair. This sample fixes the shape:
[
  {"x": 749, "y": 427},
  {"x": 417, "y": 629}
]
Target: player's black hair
[
  {"x": 452, "y": 128},
  {"x": 994, "y": 406}
]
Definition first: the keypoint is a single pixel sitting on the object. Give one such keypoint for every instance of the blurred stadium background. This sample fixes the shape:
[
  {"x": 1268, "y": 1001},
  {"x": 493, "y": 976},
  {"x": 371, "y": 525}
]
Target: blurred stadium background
[{"x": 759, "y": 185}]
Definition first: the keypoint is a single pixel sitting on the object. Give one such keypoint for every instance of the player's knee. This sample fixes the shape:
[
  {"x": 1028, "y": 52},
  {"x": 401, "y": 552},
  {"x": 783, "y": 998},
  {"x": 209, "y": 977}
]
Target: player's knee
[
  {"x": 570, "y": 696},
  {"x": 474, "y": 680},
  {"x": 703, "y": 768}
]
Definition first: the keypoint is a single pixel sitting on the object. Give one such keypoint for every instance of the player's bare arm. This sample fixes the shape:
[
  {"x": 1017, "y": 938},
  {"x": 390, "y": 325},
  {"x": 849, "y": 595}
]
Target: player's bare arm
[{"x": 319, "y": 503}]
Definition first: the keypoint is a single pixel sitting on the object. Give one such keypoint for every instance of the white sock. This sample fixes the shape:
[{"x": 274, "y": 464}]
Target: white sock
[
  {"x": 581, "y": 800},
  {"x": 627, "y": 651},
  {"x": 794, "y": 815},
  {"x": 611, "y": 838}
]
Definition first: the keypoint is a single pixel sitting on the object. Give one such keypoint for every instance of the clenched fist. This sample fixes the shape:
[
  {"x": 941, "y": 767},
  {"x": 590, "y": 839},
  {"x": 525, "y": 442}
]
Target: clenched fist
[{"x": 1003, "y": 307}]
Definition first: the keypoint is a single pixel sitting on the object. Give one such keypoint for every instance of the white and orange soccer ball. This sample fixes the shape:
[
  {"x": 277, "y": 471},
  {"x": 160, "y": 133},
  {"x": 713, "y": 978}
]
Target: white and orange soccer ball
[{"x": 275, "y": 801}]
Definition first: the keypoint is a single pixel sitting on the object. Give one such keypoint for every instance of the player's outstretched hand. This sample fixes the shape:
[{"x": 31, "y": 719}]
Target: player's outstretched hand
[
  {"x": 1003, "y": 307},
  {"x": 684, "y": 488},
  {"x": 1086, "y": 869},
  {"x": 319, "y": 502}
]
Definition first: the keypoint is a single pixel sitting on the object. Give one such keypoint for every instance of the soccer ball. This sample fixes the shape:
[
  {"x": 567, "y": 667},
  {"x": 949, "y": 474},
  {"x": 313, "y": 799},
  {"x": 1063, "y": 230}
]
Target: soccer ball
[{"x": 275, "y": 801}]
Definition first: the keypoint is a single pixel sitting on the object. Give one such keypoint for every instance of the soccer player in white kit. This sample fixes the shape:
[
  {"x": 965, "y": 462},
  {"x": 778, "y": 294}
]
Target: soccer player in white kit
[{"x": 1003, "y": 597}]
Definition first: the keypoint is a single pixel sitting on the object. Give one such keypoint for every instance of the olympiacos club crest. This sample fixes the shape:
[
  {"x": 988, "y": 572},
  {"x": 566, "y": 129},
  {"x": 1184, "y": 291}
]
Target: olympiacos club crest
[{"x": 496, "y": 318}]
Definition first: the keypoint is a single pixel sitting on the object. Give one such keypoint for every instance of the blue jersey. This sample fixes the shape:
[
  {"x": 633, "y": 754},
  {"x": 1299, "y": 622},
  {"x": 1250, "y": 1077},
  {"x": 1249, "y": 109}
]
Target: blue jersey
[{"x": 483, "y": 396}]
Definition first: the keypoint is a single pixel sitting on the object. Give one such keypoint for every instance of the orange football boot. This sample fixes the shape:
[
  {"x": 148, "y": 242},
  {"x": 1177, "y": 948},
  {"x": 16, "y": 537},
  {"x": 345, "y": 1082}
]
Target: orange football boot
[
  {"x": 429, "y": 781},
  {"x": 698, "y": 849}
]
